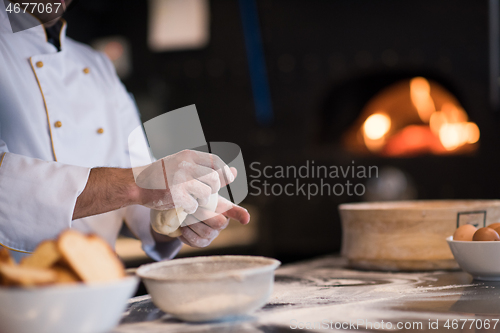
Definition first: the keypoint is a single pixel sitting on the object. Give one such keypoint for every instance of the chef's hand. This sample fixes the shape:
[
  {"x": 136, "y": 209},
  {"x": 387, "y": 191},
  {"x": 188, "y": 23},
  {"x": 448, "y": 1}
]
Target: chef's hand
[
  {"x": 204, "y": 226},
  {"x": 186, "y": 179}
]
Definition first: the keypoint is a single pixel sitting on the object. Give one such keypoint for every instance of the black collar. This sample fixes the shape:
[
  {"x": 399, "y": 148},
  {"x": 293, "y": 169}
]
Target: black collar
[{"x": 53, "y": 34}]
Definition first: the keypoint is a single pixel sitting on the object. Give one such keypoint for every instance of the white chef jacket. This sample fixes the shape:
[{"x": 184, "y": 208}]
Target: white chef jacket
[{"x": 61, "y": 113}]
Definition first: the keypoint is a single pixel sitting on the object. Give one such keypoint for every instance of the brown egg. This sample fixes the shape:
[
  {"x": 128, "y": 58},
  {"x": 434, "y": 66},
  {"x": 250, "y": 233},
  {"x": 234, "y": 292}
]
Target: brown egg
[
  {"x": 486, "y": 234},
  {"x": 464, "y": 233},
  {"x": 498, "y": 230},
  {"x": 494, "y": 225}
]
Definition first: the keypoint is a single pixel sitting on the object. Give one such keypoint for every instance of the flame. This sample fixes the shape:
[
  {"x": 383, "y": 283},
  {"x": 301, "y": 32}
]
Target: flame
[
  {"x": 451, "y": 136},
  {"x": 375, "y": 128},
  {"x": 472, "y": 133},
  {"x": 449, "y": 114},
  {"x": 455, "y": 135},
  {"x": 438, "y": 119},
  {"x": 413, "y": 140},
  {"x": 454, "y": 114},
  {"x": 389, "y": 126},
  {"x": 377, "y": 125},
  {"x": 420, "y": 93},
  {"x": 451, "y": 126}
]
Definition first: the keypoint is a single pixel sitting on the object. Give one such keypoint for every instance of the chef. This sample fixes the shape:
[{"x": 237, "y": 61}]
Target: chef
[{"x": 64, "y": 159}]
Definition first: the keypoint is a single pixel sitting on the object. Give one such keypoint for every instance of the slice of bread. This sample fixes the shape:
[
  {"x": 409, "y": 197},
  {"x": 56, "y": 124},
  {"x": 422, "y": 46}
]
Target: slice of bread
[
  {"x": 46, "y": 255},
  {"x": 65, "y": 274},
  {"x": 16, "y": 275},
  {"x": 90, "y": 257},
  {"x": 5, "y": 257}
]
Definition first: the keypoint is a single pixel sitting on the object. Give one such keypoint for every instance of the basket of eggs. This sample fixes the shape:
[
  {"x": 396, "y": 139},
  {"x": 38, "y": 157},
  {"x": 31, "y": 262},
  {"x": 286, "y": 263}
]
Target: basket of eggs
[{"x": 476, "y": 250}]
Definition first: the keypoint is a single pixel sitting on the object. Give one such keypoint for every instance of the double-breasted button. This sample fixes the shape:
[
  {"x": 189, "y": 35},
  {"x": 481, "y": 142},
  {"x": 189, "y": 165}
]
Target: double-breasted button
[
  {"x": 86, "y": 70},
  {"x": 39, "y": 64},
  {"x": 57, "y": 124},
  {"x": 100, "y": 130}
]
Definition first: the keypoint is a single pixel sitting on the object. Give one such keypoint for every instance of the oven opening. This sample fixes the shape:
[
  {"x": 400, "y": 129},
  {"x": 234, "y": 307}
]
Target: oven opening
[{"x": 412, "y": 117}]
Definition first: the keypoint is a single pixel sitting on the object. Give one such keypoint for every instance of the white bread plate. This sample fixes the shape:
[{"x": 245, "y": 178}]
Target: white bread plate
[
  {"x": 481, "y": 259},
  {"x": 75, "y": 308},
  {"x": 210, "y": 288}
]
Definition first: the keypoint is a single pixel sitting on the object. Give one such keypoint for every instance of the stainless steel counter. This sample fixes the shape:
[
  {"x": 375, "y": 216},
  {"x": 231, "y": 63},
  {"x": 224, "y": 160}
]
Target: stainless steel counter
[{"x": 323, "y": 295}]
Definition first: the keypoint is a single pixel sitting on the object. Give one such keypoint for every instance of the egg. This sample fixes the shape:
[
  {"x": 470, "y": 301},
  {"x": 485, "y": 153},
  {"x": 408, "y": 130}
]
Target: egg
[
  {"x": 497, "y": 230},
  {"x": 464, "y": 233},
  {"x": 494, "y": 225},
  {"x": 486, "y": 234}
]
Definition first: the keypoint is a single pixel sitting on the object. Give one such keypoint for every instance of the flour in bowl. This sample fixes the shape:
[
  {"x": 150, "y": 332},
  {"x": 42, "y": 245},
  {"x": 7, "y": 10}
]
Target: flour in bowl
[{"x": 224, "y": 304}]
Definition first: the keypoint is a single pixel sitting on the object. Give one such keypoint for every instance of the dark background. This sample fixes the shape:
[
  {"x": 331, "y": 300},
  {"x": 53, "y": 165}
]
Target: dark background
[{"x": 324, "y": 60}]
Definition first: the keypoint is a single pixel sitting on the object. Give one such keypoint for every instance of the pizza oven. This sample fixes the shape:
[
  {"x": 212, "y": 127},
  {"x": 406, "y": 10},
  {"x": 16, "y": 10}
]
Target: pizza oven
[{"x": 410, "y": 87}]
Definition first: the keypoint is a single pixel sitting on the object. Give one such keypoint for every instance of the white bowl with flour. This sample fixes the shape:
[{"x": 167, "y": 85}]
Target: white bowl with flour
[{"x": 210, "y": 288}]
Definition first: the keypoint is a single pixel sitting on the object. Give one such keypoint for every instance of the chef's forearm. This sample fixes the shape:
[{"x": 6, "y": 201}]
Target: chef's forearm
[{"x": 107, "y": 189}]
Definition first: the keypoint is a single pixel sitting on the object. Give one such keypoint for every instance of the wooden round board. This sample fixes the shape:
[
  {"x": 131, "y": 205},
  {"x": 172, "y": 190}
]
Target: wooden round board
[{"x": 408, "y": 235}]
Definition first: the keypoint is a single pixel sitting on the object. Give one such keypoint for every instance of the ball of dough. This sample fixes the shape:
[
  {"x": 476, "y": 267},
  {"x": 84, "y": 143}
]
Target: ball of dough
[{"x": 168, "y": 222}]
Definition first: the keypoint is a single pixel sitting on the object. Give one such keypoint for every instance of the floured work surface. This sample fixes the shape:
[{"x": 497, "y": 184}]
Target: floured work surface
[{"x": 322, "y": 295}]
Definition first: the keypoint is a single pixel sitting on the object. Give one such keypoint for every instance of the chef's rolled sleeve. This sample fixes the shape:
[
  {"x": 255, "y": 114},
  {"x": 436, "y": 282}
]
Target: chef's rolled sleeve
[{"x": 37, "y": 199}]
